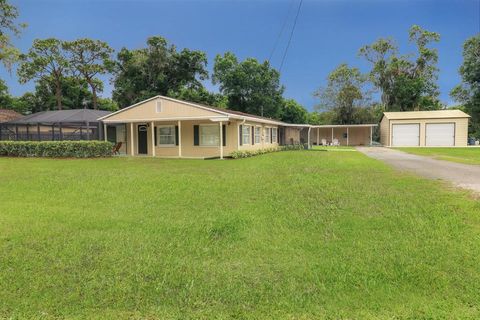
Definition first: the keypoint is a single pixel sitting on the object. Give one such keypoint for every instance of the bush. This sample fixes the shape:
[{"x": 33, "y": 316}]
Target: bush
[
  {"x": 56, "y": 149},
  {"x": 250, "y": 153}
]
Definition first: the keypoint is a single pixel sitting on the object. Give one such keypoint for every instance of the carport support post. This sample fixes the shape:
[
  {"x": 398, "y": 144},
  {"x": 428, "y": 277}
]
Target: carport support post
[
  {"x": 371, "y": 135},
  {"x": 332, "y": 135},
  {"x": 348, "y": 136},
  {"x": 131, "y": 139},
  {"x": 308, "y": 137},
  {"x": 318, "y": 136},
  {"x": 179, "y": 139},
  {"x": 88, "y": 131},
  {"x": 152, "y": 132},
  {"x": 221, "y": 139},
  {"x": 104, "y": 131}
]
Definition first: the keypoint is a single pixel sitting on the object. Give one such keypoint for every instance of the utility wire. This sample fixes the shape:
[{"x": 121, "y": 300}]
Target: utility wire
[
  {"x": 281, "y": 32},
  {"x": 291, "y": 35}
]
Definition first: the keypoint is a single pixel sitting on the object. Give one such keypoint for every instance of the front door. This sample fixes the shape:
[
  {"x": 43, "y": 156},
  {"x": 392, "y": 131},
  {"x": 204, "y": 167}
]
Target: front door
[
  {"x": 142, "y": 139},
  {"x": 112, "y": 134}
]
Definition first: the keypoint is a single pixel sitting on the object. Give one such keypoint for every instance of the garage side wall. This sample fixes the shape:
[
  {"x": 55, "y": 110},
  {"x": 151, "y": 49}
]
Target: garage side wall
[
  {"x": 385, "y": 132},
  {"x": 461, "y": 129}
]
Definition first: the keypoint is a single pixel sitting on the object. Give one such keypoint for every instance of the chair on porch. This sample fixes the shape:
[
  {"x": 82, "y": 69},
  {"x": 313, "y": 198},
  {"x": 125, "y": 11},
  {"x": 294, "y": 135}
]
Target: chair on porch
[
  {"x": 335, "y": 142},
  {"x": 324, "y": 142},
  {"x": 116, "y": 148}
]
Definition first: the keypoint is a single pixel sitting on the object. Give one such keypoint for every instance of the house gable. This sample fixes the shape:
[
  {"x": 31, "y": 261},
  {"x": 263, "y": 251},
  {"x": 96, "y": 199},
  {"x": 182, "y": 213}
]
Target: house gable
[{"x": 159, "y": 108}]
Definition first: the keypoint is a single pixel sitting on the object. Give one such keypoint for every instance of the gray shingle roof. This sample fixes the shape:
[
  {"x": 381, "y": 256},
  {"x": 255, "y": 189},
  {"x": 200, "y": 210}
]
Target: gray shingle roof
[{"x": 64, "y": 116}]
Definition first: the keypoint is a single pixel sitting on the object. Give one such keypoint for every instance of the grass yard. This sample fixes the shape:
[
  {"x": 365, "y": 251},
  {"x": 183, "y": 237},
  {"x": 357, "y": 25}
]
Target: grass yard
[
  {"x": 468, "y": 155},
  {"x": 287, "y": 235}
]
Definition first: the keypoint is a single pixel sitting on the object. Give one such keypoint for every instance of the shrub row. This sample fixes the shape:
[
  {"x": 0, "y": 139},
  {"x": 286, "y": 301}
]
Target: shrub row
[
  {"x": 251, "y": 153},
  {"x": 56, "y": 149}
]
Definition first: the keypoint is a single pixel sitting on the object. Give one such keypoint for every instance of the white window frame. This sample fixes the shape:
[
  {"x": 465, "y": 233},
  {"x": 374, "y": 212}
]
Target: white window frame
[
  {"x": 200, "y": 135},
  {"x": 265, "y": 135},
  {"x": 166, "y": 144},
  {"x": 158, "y": 106},
  {"x": 275, "y": 136},
  {"x": 247, "y": 134},
  {"x": 258, "y": 134}
]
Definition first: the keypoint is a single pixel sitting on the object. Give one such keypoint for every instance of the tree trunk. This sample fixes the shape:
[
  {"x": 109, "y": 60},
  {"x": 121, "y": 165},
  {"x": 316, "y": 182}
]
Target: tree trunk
[
  {"x": 94, "y": 95},
  {"x": 58, "y": 94}
]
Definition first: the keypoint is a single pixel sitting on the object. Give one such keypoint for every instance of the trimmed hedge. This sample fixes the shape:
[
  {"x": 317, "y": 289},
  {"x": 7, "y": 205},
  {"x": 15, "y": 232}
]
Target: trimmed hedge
[
  {"x": 56, "y": 149},
  {"x": 251, "y": 153}
]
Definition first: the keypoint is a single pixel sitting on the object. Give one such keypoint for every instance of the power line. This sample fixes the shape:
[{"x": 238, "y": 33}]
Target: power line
[
  {"x": 291, "y": 35},
  {"x": 281, "y": 31}
]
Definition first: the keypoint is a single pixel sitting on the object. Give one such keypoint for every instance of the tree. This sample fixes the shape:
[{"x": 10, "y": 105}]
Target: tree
[
  {"x": 343, "y": 94},
  {"x": 293, "y": 112},
  {"x": 45, "y": 61},
  {"x": 405, "y": 83},
  {"x": 8, "y": 28},
  {"x": 321, "y": 118},
  {"x": 158, "y": 69},
  {"x": 199, "y": 95},
  {"x": 249, "y": 86},
  {"x": 5, "y": 98},
  {"x": 468, "y": 92},
  {"x": 90, "y": 58}
]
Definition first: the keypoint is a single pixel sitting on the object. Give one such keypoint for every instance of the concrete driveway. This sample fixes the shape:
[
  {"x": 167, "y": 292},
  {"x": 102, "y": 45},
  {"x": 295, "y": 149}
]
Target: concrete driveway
[{"x": 462, "y": 175}]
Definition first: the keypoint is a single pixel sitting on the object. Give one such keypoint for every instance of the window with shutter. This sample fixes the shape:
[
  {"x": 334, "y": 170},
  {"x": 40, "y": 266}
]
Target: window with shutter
[
  {"x": 165, "y": 135},
  {"x": 209, "y": 135},
  {"x": 258, "y": 135},
  {"x": 266, "y": 132},
  {"x": 246, "y": 134}
]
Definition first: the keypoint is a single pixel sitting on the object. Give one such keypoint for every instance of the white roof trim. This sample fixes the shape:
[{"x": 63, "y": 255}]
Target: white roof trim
[
  {"x": 211, "y": 118},
  {"x": 225, "y": 113},
  {"x": 161, "y": 97},
  {"x": 345, "y": 125}
]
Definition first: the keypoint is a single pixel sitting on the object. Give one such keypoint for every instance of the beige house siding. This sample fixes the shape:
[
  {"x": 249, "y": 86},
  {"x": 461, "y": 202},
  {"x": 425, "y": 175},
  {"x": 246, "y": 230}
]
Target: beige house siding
[
  {"x": 385, "y": 132},
  {"x": 263, "y": 143},
  {"x": 357, "y": 136},
  {"x": 292, "y": 135},
  {"x": 147, "y": 111},
  {"x": 187, "y": 143},
  {"x": 461, "y": 129}
]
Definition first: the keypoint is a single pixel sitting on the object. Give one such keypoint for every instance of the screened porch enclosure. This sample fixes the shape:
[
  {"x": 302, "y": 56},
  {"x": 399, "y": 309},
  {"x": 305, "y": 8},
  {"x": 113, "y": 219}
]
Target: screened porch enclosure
[{"x": 76, "y": 124}]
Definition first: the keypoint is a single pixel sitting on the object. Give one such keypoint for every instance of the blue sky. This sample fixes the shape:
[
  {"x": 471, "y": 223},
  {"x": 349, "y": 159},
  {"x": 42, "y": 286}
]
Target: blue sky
[{"x": 328, "y": 32}]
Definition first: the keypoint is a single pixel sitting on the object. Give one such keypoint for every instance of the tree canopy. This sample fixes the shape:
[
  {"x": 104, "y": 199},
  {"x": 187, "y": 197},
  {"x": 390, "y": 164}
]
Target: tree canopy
[
  {"x": 293, "y": 112},
  {"x": 9, "y": 27},
  {"x": 250, "y": 86},
  {"x": 344, "y": 94},
  {"x": 158, "y": 69},
  {"x": 46, "y": 62},
  {"x": 90, "y": 58},
  {"x": 406, "y": 82},
  {"x": 468, "y": 92}
]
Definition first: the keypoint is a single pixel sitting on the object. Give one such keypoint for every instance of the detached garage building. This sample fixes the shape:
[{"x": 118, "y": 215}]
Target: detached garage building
[{"x": 446, "y": 128}]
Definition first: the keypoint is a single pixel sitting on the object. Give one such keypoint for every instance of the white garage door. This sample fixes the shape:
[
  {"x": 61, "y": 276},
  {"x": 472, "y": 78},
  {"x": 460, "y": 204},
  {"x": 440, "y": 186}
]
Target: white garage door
[
  {"x": 440, "y": 134},
  {"x": 405, "y": 135}
]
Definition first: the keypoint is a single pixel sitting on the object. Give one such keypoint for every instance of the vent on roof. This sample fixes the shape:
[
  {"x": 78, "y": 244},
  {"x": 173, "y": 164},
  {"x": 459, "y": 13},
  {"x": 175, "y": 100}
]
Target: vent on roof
[{"x": 158, "y": 107}]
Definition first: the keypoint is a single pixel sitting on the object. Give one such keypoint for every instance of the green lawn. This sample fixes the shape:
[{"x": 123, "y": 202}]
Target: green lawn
[
  {"x": 288, "y": 235},
  {"x": 468, "y": 155}
]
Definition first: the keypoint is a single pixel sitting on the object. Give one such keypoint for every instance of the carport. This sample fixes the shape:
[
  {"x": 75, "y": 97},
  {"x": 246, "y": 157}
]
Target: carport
[{"x": 343, "y": 134}]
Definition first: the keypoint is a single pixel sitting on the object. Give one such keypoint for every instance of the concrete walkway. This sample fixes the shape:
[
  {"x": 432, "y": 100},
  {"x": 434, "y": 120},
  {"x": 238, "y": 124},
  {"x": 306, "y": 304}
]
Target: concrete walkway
[{"x": 462, "y": 175}]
